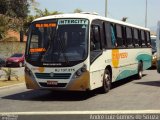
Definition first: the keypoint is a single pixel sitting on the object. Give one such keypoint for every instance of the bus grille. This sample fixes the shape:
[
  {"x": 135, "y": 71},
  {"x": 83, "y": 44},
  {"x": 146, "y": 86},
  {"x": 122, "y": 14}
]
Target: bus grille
[
  {"x": 58, "y": 85},
  {"x": 53, "y": 76}
]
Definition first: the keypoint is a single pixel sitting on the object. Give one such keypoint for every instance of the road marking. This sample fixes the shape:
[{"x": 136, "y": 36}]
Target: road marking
[{"x": 83, "y": 112}]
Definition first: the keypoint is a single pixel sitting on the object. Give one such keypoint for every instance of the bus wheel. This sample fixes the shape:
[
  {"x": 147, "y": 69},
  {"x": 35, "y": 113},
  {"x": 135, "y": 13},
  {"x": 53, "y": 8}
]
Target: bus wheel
[
  {"x": 140, "y": 70},
  {"x": 106, "y": 81}
]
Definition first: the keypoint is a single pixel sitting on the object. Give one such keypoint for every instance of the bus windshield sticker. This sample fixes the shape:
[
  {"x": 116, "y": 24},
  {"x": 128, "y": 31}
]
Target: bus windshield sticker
[
  {"x": 72, "y": 21},
  {"x": 33, "y": 50},
  {"x": 45, "y": 25},
  {"x": 84, "y": 26}
]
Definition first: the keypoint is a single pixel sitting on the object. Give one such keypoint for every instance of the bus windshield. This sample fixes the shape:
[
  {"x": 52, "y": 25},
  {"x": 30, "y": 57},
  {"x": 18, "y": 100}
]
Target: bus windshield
[{"x": 58, "y": 41}]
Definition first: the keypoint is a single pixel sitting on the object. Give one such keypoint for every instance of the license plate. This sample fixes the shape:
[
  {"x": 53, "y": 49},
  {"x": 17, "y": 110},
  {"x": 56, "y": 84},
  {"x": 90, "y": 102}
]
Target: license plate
[{"x": 52, "y": 83}]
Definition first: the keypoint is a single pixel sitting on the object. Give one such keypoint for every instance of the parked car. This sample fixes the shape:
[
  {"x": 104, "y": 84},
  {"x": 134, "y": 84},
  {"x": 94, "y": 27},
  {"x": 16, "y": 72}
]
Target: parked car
[
  {"x": 16, "y": 59},
  {"x": 154, "y": 51},
  {"x": 2, "y": 61}
]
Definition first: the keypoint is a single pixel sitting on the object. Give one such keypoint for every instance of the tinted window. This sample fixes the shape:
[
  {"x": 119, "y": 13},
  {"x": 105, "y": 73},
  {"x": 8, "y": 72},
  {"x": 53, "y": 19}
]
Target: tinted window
[
  {"x": 109, "y": 42},
  {"x": 129, "y": 36},
  {"x": 57, "y": 42},
  {"x": 95, "y": 37},
  {"x": 135, "y": 36},
  {"x": 119, "y": 35}
]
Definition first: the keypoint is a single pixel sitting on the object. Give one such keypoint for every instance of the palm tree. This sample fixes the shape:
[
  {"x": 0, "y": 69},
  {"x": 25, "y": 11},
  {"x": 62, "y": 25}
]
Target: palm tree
[
  {"x": 124, "y": 19},
  {"x": 77, "y": 10}
]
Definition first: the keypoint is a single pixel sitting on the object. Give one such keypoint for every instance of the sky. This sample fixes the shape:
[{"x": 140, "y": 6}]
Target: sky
[{"x": 134, "y": 10}]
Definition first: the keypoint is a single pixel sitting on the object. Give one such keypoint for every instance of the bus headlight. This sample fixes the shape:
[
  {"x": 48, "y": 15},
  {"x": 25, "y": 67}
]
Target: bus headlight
[
  {"x": 81, "y": 70},
  {"x": 78, "y": 73},
  {"x": 84, "y": 68}
]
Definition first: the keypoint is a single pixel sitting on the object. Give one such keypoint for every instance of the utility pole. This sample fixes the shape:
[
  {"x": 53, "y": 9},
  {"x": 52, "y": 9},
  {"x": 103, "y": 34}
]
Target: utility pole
[
  {"x": 106, "y": 7},
  {"x": 146, "y": 13}
]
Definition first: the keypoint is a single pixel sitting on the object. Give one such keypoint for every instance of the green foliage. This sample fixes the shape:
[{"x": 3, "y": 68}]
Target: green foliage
[
  {"x": 7, "y": 23},
  {"x": 38, "y": 13},
  {"x": 14, "y": 8},
  {"x": 45, "y": 12},
  {"x": 3, "y": 27},
  {"x": 12, "y": 15}
]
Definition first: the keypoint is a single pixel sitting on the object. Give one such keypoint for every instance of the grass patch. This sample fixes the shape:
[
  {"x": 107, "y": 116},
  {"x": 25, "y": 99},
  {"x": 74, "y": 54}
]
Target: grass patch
[{"x": 13, "y": 81}]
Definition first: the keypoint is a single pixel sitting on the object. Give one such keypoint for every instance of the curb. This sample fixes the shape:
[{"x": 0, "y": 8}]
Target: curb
[{"x": 9, "y": 86}]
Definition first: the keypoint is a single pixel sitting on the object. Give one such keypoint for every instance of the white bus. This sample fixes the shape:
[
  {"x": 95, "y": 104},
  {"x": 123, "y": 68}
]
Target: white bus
[
  {"x": 158, "y": 46},
  {"x": 83, "y": 52}
]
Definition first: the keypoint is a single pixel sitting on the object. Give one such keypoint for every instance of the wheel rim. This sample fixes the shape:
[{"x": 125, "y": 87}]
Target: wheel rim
[
  {"x": 107, "y": 80},
  {"x": 140, "y": 70},
  {"x": 140, "y": 73}
]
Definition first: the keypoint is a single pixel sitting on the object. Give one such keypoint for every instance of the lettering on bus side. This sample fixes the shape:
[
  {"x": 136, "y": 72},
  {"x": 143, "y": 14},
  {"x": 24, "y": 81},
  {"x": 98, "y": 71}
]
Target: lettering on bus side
[{"x": 117, "y": 56}]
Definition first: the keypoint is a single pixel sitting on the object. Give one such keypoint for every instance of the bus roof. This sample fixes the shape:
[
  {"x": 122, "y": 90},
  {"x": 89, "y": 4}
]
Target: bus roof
[{"x": 90, "y": 17}]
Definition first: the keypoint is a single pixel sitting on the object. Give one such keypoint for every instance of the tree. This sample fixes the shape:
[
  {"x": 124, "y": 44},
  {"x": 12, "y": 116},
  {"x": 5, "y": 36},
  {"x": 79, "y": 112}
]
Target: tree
[
  {"x": 14, "y": 8},
  {"x": 4, "y": 27},
  {"x": 13, "y": 13},
  {"x": 38, "y": 13},
  {"x": 3, "y": 6},
  {"x": 77, "y": 10},
  {"x": 45, "y": 12},
  {"x": 124, "y": 19},
  {"x": 8, "y": 73}
]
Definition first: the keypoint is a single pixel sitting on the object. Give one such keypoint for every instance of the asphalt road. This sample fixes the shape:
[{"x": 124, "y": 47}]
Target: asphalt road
[{"x": 127, "y": 94}]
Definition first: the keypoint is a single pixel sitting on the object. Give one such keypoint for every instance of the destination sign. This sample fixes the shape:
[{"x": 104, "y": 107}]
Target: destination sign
[
  {"x": 72, "y": 21},
  {"x": 46, "y": 25}
]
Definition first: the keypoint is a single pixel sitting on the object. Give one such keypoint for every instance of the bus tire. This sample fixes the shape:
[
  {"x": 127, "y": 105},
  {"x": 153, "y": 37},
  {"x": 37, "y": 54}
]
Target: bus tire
[
  {"x": 140, "y": 70},
  {"x": 107, "y": 79}
]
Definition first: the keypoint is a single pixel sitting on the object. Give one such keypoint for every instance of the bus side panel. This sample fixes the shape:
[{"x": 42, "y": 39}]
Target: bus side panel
[
  {"x": 125, "y": 62},
  {"x": 97, "y": 69}
]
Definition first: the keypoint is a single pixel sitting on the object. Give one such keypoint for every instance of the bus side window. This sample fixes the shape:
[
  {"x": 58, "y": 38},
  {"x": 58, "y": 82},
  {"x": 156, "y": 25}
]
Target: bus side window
[
  {"x": 95, "y": 38},
  {"x": 147, "y": 38},
  {"x": 129, "y": 36},
  {"x": 107, "y": 34},
  {"x": 142, "y": 38},
  {"x": 135, "y": 37},
  {"x": 113, "y": 37},
  {"x": 119, "y": 35}
]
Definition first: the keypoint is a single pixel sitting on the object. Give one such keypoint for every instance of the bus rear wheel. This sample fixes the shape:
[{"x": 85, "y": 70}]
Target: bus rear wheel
[
  {"x": 106, "y": 81},
  {"x": 140, "y": 70}
]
